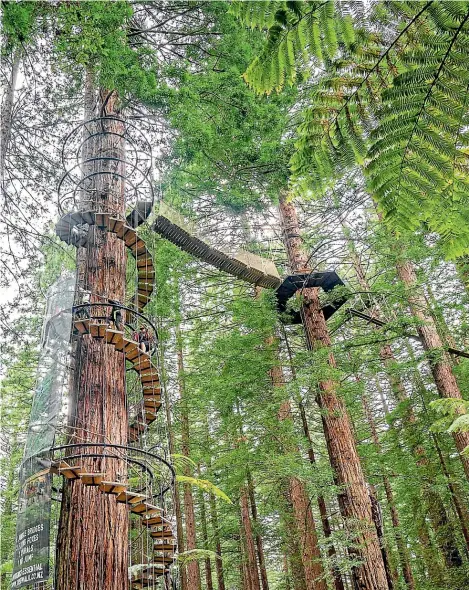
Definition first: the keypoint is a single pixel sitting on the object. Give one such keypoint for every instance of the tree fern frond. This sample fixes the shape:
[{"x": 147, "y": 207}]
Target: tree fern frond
[
  {"x": 298, "y": 25},
  {"x": 205, "y": 485},
  {"x": 258, "y": 14}
]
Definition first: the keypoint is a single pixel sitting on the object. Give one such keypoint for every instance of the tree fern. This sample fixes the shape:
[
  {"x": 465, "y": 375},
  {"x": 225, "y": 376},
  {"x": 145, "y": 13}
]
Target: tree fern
[
  {"x": 418, "y": 158},
  {"x": 394, "y": 102},
  {"x": 296, "y": 32},
  {"x": 257, "y": 14}
]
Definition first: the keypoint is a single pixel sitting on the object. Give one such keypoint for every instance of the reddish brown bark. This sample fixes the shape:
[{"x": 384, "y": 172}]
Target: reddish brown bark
[
  {"x": 245, "y": 580},
  {"x": 177, "y": 492},
  {"x": 440, "y": 363},
  {"x": 216, "y": 536},
  {"x": 378, "y": 521},
  {"x": 307, "y": 538},
  {"x": 92, "y": 545},
  {"x": 354, "y": 501},
  {"x": 259, "y": 543},
  {"x": 326, "y": 527},
  {"x": 294, "y": 564},
  {"x": 400, "y": 393},
  {"x": 301, "y": 508},
  {"x": 192, "y": 568},
  {"x": 432, "y": 500},
  {"x": 251, "y": 573}
]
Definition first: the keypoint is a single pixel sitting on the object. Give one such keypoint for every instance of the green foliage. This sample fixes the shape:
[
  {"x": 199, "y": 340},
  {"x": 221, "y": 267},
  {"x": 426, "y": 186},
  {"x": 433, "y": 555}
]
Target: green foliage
[
  {"x": 298, "y": 32},
  {"x": 230, "y": 144},
  {"x": 16, "y": 391},
  {"x": 18, "y": 21},
  {"x": 205, "y": 485},
  {"x": 57, "y": 258},
  {"x": 417, "y": 159},
  {"x": 396, "y": 108},
  {"x": 248, "y": 387},
  {"x": 94, "y": 37},
  {"x": 455, "y": 416}
]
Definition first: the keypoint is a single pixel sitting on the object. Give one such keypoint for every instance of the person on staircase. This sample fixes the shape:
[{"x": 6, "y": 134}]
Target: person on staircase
[{"x": 146, "y": 340}]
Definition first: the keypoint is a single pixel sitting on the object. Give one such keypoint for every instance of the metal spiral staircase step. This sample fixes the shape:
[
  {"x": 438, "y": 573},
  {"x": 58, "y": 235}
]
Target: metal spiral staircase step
[
  {"x": 164, "y": 534},
  {"x": 147, "y": 577},
  {"x": 141, "y": 363},
  {"x": 73, "y": 228},
  {"x": 92, "y": 479},
  {"x": 151, "y": 516}
]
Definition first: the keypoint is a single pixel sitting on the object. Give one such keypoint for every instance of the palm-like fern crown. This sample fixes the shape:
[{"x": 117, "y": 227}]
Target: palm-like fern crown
[{"x": 391, "y": 98}]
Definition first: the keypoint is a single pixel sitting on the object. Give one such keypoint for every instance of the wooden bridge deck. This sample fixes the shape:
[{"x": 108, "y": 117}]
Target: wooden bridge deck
[{"x": 243, "y": 265}]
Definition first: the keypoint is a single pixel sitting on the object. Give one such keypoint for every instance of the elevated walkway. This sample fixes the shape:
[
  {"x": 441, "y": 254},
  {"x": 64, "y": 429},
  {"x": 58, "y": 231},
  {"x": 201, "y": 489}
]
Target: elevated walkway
[{"x": 243, "y": 265}]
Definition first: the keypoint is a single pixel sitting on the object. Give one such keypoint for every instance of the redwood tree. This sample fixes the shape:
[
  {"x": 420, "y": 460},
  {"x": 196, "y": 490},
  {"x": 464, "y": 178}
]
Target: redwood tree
[
  {"x": 354, "y": 499},
  {"x": 92, "y": 544}
]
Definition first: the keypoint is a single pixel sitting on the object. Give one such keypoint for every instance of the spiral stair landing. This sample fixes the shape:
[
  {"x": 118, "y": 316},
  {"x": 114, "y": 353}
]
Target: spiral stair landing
[
  {"x": 152, "y": 516},
  {"x": 139, "y": 214},
  {"x": 73, "y": 228}
]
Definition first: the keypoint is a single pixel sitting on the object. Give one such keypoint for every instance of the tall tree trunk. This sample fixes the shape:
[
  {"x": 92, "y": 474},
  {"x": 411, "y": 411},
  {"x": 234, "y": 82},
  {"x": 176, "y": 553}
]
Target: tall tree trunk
[
  {"x": 391, "y": 575},
  {"x": 378, "y": 520},
  {"x": 216, "y": 536},
  {"x": 92, "y": 544},
  {"x": 401, "y": 548},
  {"x": 387, "y": 358},
  {"x": 192, "y": 568},
  {"x": 354, "y": 501},
  {"x": 440, "y": 364},
  {"x": 326, "y": 527},
  {"x": 294, "y": 569},
  {"x": 440, "y": 322},
  {"x": 259, "y": 544},
  {"x": 435, "y": 504},
  {"x": 203, "y": 522},
  {"x": 245, "y": 580},
  {"x": 307, "y": 539},
  {"x": 248, "y": 539},
  {"x": 301, "y": 508},
  {"x": 459, "y": 504},
  {"x": 177, "y": 495}
]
